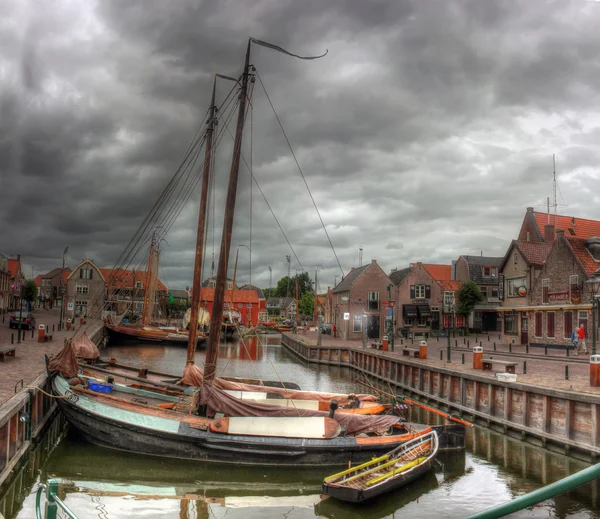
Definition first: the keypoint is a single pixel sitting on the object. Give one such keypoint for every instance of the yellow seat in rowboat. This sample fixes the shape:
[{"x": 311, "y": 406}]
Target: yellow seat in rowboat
[{"x": 395, "y": 472}]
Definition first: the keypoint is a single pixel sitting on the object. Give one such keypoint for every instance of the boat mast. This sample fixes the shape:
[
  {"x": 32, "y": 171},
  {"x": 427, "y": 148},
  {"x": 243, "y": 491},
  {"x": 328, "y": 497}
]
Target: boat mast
[
  {"x": 197, "y": 281},
  {"x": 147, "y": 304},
  {"x": 297, "y": 301},
  {"x": 216, "y": 320}
]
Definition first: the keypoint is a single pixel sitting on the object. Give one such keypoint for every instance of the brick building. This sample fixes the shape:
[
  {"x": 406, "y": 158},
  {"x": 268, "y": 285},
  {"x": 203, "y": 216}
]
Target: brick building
[
  {"x": 15, "y": 283},
  {"x": 86, "y": 291},
  {"x": 4, "y": 284},
  {"x": 358, "y": 303},
  {"x": 425, "y": 299},
  {"x": 560, "y": 299},
  {"x": 125, "y": 289},
  {"x": 483, "y": 270},
  {"x": 262, "y": 302},
  {"x": 245, "y": 307},
  {"x": 53, "y": 285},
  {"x": 282, "y": 307}
]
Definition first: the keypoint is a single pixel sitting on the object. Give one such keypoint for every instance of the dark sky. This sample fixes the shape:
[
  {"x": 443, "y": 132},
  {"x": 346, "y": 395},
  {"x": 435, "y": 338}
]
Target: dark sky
[{"x": 424, "y": 133}]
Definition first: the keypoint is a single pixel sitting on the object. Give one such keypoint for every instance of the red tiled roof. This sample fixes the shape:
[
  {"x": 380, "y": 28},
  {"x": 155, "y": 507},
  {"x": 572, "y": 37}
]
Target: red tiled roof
[
  {"x": 38, "y": 279},
  {"x": 239, "y": 296},
  {"x": 579, "y": 249},
  {"x": 13, "y": 267},
  {"x": 439, "y": 272},
  {"x": 124, "y": 278},
  {"x": 450, "y": 285},
  {"x": 583, "y": 228},
  {"x": 534, "y": 252}
]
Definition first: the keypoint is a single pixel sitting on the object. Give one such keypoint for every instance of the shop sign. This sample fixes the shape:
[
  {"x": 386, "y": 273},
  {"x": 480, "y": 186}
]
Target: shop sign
[
  {"x": 501, "y": 287},
  {"x": 346, "y": 316},
  {"x": 522, "y": 291},
  {"x": 558, "y": 297},
  {"x": 575, "y": 296}
]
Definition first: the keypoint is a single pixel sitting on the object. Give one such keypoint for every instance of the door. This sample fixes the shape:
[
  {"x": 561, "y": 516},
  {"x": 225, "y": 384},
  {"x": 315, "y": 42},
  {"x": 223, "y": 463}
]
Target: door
[
  {"x": 489, "y": 321},
  {"x": 524, "y": 328},
  {"x": 435, "y": 320},
  {"x": 373, "y": 325}
]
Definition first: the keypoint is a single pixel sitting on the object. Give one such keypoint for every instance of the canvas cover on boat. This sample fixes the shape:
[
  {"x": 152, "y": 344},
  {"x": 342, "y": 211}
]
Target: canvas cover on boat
[
  {"x": 84, "y": 348},
  {"x": 65, "y": 361},
  {"x": 193, "y": 376},
  {"x": 221, "y": 402},
  {"x": 203, "y": 317}
]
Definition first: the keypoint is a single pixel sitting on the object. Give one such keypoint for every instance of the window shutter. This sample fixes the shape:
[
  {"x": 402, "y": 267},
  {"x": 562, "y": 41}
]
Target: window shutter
[
  {"x": 80, "y": 273},
  {"x": 91, "y": 273},
  {"x": 427, "y": 291},
  {"x": 412, "y": 291}
]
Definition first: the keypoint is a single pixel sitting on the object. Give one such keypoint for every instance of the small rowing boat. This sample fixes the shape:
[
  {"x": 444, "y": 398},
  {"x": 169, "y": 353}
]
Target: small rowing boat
[{"x": 386, "y": 473}]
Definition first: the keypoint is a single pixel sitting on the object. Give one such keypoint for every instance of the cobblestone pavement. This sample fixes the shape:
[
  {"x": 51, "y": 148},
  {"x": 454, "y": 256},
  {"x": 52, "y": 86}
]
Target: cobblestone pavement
[
  {"x": 29, "y": 363},
  {"x": 542, "y": 370}
]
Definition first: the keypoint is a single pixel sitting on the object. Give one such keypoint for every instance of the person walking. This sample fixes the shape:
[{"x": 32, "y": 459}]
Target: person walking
[
  {"x": 575, "y": 340},
  {"x": 582, "y": 343}
]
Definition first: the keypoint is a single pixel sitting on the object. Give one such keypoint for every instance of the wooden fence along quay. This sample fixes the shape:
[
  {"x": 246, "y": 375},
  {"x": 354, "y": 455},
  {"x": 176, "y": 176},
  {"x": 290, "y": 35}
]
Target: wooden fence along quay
[
  {"x": 25, "y": 416},
  {"x": 563, "y": 421}
]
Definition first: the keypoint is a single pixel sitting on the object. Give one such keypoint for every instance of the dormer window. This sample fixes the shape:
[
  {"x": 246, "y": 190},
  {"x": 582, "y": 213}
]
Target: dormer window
[
  {"x": 515, "y": 258},
  {"x": 86, "y": 273},
  {"x": 490, "y": 272},
  {"x": 138, "y": 284},
  {"x": 229, "y": 285}
]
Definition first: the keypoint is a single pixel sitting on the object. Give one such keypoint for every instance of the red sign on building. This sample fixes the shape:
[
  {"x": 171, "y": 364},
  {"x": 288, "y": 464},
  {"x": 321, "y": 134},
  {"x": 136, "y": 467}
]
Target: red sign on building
[{"x": 558, "y": 297}]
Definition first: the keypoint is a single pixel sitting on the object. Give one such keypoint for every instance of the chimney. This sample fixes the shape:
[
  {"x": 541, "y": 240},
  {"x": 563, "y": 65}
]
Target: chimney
[
  {"x": 560, "y": 234},
  {"x": 373, "y": 261},
  {"x": 549, "y": 234},
  {"x": 394, "y": 270},
  {"x": 593, "y": 246},
  {"x": 530, "y": 209},
  {"x": 19, "y": 258}
]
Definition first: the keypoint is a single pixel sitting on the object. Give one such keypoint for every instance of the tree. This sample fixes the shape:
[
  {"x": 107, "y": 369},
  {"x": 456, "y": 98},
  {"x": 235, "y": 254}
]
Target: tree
[
  {"x": 306, "y": 305},
  {"x": 469, "y": 295},
  {"x": 29, "y": 292},
  {"x": 304, "y": 285}
]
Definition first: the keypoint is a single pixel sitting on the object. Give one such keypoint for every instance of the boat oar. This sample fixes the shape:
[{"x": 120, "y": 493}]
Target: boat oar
[{"x": 418, "y": 404}]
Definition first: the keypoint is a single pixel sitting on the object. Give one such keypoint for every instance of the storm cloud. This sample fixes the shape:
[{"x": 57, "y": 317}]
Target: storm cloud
[{"x": 424, "y": 133}]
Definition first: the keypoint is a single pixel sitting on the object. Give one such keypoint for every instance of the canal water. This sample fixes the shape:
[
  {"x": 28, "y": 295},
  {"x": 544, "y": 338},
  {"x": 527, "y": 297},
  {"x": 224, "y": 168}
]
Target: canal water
[{"x": 105, "y": 484}]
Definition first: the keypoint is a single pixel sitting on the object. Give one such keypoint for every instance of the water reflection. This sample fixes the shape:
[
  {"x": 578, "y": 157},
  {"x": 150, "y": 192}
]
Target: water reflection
[{"x": 104, "y": 483}]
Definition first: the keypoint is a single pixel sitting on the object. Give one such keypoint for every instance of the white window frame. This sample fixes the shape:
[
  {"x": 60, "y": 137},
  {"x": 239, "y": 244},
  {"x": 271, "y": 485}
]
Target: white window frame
[
  {"x": 82, "y": 289},
  {"x": 138, "y": 284},
  {"x": 515, "y": 258},
  {"x": 418, "y": 290},
  {"x": 574, "y": 279},
  {"x": 373, "y": 297},
  {"x": 408, "y": 321},
  {"x": 494, "y": 272},
  {"x": 484, "y": 291},
  {"x": 582, "y": 315},
  {"x": 508, "y": 286},
  {"x": 489, "y": 269},
  {"x": 541, "y": 314},
  {"x": 546, "y": 283},
  {"x": 357, "y": 319},
  {"x": 449, "y": 298},
  {"x": 497, "y": 289},
  {"x": 85, "y": 272},
  {"x": 422, "y": 322}
]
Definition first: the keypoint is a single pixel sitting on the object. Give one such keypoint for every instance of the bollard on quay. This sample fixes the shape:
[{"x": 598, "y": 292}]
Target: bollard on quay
[
  {"x": 546, "y": 349},
  {"x": 527, "y": 348},
  {"x": 441, "y": 354},
  {"x": 456, "y": 343},
  {"x": 524, "y": 367},
  {"x": 12, "y": 338},
  {"x": 494, "y": 346},
  {"x": 32, "y": 332},
  {"x": 481, "y": 343},
  {"x": 510, "y": 348},
  {"x": 567, "y": 372},
  {"x": 463, "y": 358},
  {"x": 567, "y": 348}
]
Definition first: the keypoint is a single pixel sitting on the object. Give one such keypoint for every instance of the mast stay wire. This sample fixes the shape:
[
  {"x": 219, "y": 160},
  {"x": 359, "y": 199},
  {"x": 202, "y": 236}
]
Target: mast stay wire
[
  {"x": 301, "y": 172},
  {"x": 143, "y": 237}
]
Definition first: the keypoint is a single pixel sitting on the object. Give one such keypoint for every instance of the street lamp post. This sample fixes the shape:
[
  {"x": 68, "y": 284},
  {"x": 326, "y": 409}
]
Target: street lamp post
[
  {"x": 62, "y": 292},
  {"x": 594, "y": 285},
  {"x": 450, "y": 308},
  {"x": 270, "y": 280},
  {"x": 288, "y": 258},
  {"x": 391, "y": 320},
  {"x": 335, "y": 322}
]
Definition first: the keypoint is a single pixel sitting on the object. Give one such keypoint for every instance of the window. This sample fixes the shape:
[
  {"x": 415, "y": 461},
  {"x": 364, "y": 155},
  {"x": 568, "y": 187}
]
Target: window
[
  {"x": 419, "y": 291},
  {"x": 514, "y": 285},
  {"x": 460, "y": 321},
  {"x": 539, "y": 328},
  {"x": 86, "y": 273},
  {"x": 494, "y": 292},
  {"x": 138, "y": 284},
  {"x": 515, "y": 258},
  {"x": 422, "y": 322},
  {"x": 82, "y": 289},
  {"x": 484, "y": 291},
  {"x": 357, "y": 323},
  {"x": 528, "y": 236},
  {"x": 545, "y": 288},
  {"x": 550, "y": 325},
  {"x": 573, "y": 285},
  {"x": 373, "y": 301},
  {"x": 568, "y": 324},
  {"x": 490, "y": 271},
  {"x": 448, "y": 298},
  {"x": 229, "y": 285},
  {"x": 408, "y": 321},
  {"x": 248, "y": 305},
  {"x": 510, "y": 323}
]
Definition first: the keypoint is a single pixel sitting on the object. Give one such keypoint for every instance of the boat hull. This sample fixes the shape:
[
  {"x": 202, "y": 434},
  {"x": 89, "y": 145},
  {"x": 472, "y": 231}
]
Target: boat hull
[
  {"x": 175, "y": 339},
  {"x": 358, "y": 496},
  {"x": 113, "y": 428}
]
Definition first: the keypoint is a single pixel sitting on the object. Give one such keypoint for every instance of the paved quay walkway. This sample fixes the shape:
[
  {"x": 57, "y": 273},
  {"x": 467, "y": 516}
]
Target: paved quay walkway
[
  {"x": 28, "y": 363},
  {"x": 542, "y": 370}
]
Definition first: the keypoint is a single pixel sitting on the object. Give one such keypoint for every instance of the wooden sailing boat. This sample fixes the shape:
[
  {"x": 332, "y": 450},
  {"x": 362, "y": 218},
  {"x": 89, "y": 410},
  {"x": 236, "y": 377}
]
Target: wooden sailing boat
[
  {"x": 146, "y": 329},
  {"x": 152, "y": 421}
]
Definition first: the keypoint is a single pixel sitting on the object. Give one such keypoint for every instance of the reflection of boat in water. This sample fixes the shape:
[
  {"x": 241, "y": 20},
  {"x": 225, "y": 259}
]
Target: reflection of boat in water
[{"x": 384, "y": 506}]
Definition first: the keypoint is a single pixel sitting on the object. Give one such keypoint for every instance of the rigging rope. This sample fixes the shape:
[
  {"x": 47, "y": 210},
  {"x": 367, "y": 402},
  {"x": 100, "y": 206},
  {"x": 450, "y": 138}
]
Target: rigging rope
[{"x": 300, "y": 170}]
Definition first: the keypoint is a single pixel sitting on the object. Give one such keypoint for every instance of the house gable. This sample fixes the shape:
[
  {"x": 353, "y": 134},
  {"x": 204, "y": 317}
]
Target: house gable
[{"x": 89, "y": 264}]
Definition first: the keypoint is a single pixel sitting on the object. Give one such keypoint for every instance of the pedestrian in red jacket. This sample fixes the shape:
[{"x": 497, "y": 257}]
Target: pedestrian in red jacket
[{"x": 582, "y": 343}]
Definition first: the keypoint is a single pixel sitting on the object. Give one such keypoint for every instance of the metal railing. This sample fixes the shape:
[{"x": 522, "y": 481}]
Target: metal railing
[
  {"x": 54, "y": 504},
  {"x": 541, "y": 494}
]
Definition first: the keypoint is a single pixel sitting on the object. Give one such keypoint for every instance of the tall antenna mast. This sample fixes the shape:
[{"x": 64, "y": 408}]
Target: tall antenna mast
[
  {"x": 554, "y": 185},
  {"x": 360, "y": 256}
]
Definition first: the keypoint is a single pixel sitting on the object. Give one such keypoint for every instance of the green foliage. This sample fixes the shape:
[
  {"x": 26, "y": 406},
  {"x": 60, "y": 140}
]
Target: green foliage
[
  {"x": 469, "y": 295},
  {"x": 29, "y": 292},
  {"x": 178, "y": 308},
  {"x": 269, "y": 292},
  {"x": 306, "y": 305},
  {"x": 304, "y": 285}
]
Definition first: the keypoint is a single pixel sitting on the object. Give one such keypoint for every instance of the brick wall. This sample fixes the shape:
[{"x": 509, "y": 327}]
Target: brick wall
[
  {"x": 96, "y": 289},
  {"x": 529, "y": 226},
  {"x": 462, "y": 270}
]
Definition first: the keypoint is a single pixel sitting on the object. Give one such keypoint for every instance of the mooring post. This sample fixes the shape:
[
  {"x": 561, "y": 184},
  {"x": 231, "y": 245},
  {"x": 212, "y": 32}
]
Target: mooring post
[
  {"x": 567, "y": 372},
  {"x": 441, "y": 354},
  {"x": 524, "y": 367},
  {"x": 510, "y": 348},
  {"x": 12, "y": 338},
  {"x": 494, "y": 346},
  {"x": 545, "y": 349},
  {"x": 527, "y": 348},
  {"x": 463, "y": 358}
]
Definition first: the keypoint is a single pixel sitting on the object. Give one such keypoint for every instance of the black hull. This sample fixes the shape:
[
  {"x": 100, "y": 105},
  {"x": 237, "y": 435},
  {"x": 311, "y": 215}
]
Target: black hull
[
  {"x": 125, "y": 337},
  {"x": 353, "y": 495}
]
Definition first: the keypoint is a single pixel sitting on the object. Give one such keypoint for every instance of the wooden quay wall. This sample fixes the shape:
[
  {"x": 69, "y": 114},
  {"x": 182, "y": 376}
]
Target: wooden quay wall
[{"x": 563, "y": 421}]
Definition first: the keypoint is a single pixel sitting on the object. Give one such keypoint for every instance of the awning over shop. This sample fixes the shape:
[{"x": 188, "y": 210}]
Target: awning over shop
[
  {"x": 410, "y": 311},
  {"x": 424, "y": 311}
]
